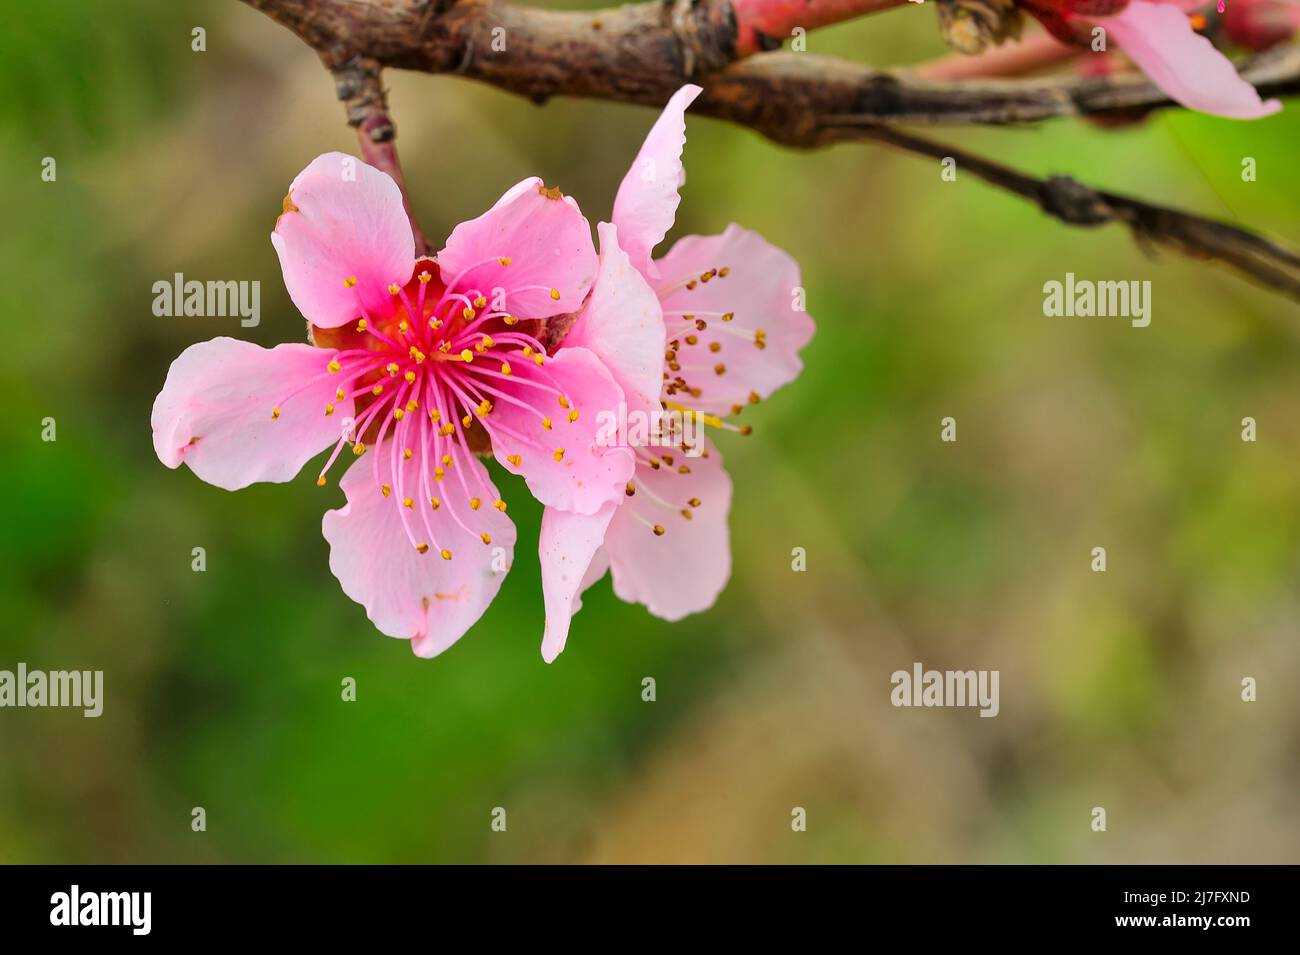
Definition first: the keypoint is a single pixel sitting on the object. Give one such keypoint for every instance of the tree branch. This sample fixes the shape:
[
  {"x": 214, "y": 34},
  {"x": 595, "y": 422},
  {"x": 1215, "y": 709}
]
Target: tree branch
[{"x": 642, "y": 53}]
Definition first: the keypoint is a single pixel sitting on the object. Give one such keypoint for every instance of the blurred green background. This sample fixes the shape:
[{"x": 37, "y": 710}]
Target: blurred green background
[{"x": 222, "y": 688}]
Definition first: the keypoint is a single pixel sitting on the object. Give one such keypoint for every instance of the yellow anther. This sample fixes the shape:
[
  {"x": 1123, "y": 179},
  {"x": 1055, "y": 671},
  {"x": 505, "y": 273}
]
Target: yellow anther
[
  {"x": 528, "y": 351},
  {"x": 480, "y": 301},
  {"x": 683, "y": 469},
  {"x": 509, "y": 319},
  {"x": 394, "y": 289},
  {"x": 555, "y": 295},
  {"x": 500, "y": 505},
  {"x": 538, "y": 358},
  {"x": 564, "y": 402},
  {"x": 686, "y": 514},
  {"x": 467, "y": 313},
  {"x": 320, "y": 481},
  {"x": 720, "y": 369},
  {"x": 723, "y": 272},
  {"x": 358, "y": 449},
  {"x": 487, "y": 341},
  {"x": 403, "y": 327},
  {"x": 504, "y": 260},
  {"x": 377, "y": 390},
  {"x": 410, "y": 377},
  {"x": 439, "y": 474},
  {"x": 435, "y": 503},
  {"x": 392, "y": 368},
  {"x": 406, "y": 454},
  {"x": 630, "y": 489},
  {"x": 399, "y": 413},
  {"x": 446, "y": 554},
  {"x": 435, "y": 323},
  {"x": 514, "y": 459},
  {"x": 708, "y": 275},
  {"x": 659, "y": 530},
  {"x": 412, "y": 405},
  {"x": 444, "y": 346},
  {"x": 505, "y": 368},
  {"x": 422, "y": 548},
  {"x": 275, "y": 413},
  {"x": 694, "y": 502},
  {"x": 466, "y": 355},
  {"x": 329, "y": 410},
  {"x": 573, "y": 416},
  {"x": 408, "y": 503},
  {"x": 434, "y": 414},
  {"x": 334, "y": 366},
  {"x": 715, "y": 346},
  {"x": 447, "y": 429},
  {"x": 446, "y": 459},
  {"x": 728, "y": 316},
  {"x": 385, "y": 490},
  {"x": 746, "y": 430},
  {"x": 546, "y": 423},
  {"x": 424, "y": 277},
  {"x": 362, "y": 325},
  {"x": 487, "y": 539},
  {"x": 339, "y": 394},
  {"x": 475, "y": 504},
  {"x": 558, "y": 455},
  {"x": 466, "y": 421},
  {"x": 350, "y": 281}
]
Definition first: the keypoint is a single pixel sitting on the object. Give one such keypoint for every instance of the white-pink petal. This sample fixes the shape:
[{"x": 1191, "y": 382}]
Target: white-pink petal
[
  {"x": 1160, "y": 40},
  {"x": 567, "y": 451},
  {"x": 217, "y": 411},
  {"x": 754, "y": 317},
  {"x": 682, "y": 571},
  {"x": 407, "y": 594},
  {"x": 623, "y": 325},
  {"x": 534, "y": 245},
  {"x": 572, "y": 557},
  {"x": 343, "y": 238},
  {"x": 646, "y": 204}
]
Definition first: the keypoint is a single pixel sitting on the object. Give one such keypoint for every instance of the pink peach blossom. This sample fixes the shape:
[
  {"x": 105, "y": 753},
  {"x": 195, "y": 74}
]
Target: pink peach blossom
[
  {"x": 414, "y": 366},
  {"x": 1160, "y": 40},
  {"x": 721, "y": 316}
]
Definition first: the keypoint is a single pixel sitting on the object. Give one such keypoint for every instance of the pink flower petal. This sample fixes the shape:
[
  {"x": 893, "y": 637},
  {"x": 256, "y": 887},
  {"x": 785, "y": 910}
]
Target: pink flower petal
[
  {"x": 761, "y": 291},
  {"x": 343, "y": 220},
  {"x": 1159, "y": 38},
  {"x": 647, "y": 199},
  {"x": 623, "y": 324},
  {"x": 546, "y": 242},
  {"x": 683, "y": 571},
  {"x": 572, "y": 464},
  {"x": 572, "y": 560},
  {"x": 407, "y": 594},
  {"x": 216, "y": 411}
]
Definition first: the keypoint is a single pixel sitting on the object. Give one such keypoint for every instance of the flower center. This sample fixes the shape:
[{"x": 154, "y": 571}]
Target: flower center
[{"x": 424, "y": 379}]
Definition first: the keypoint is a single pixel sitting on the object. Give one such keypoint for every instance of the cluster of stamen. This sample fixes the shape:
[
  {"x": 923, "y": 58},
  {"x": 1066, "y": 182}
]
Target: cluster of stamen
[
  {"x": 422, "y": 378},
  {"x": 683, "y": 329}
]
